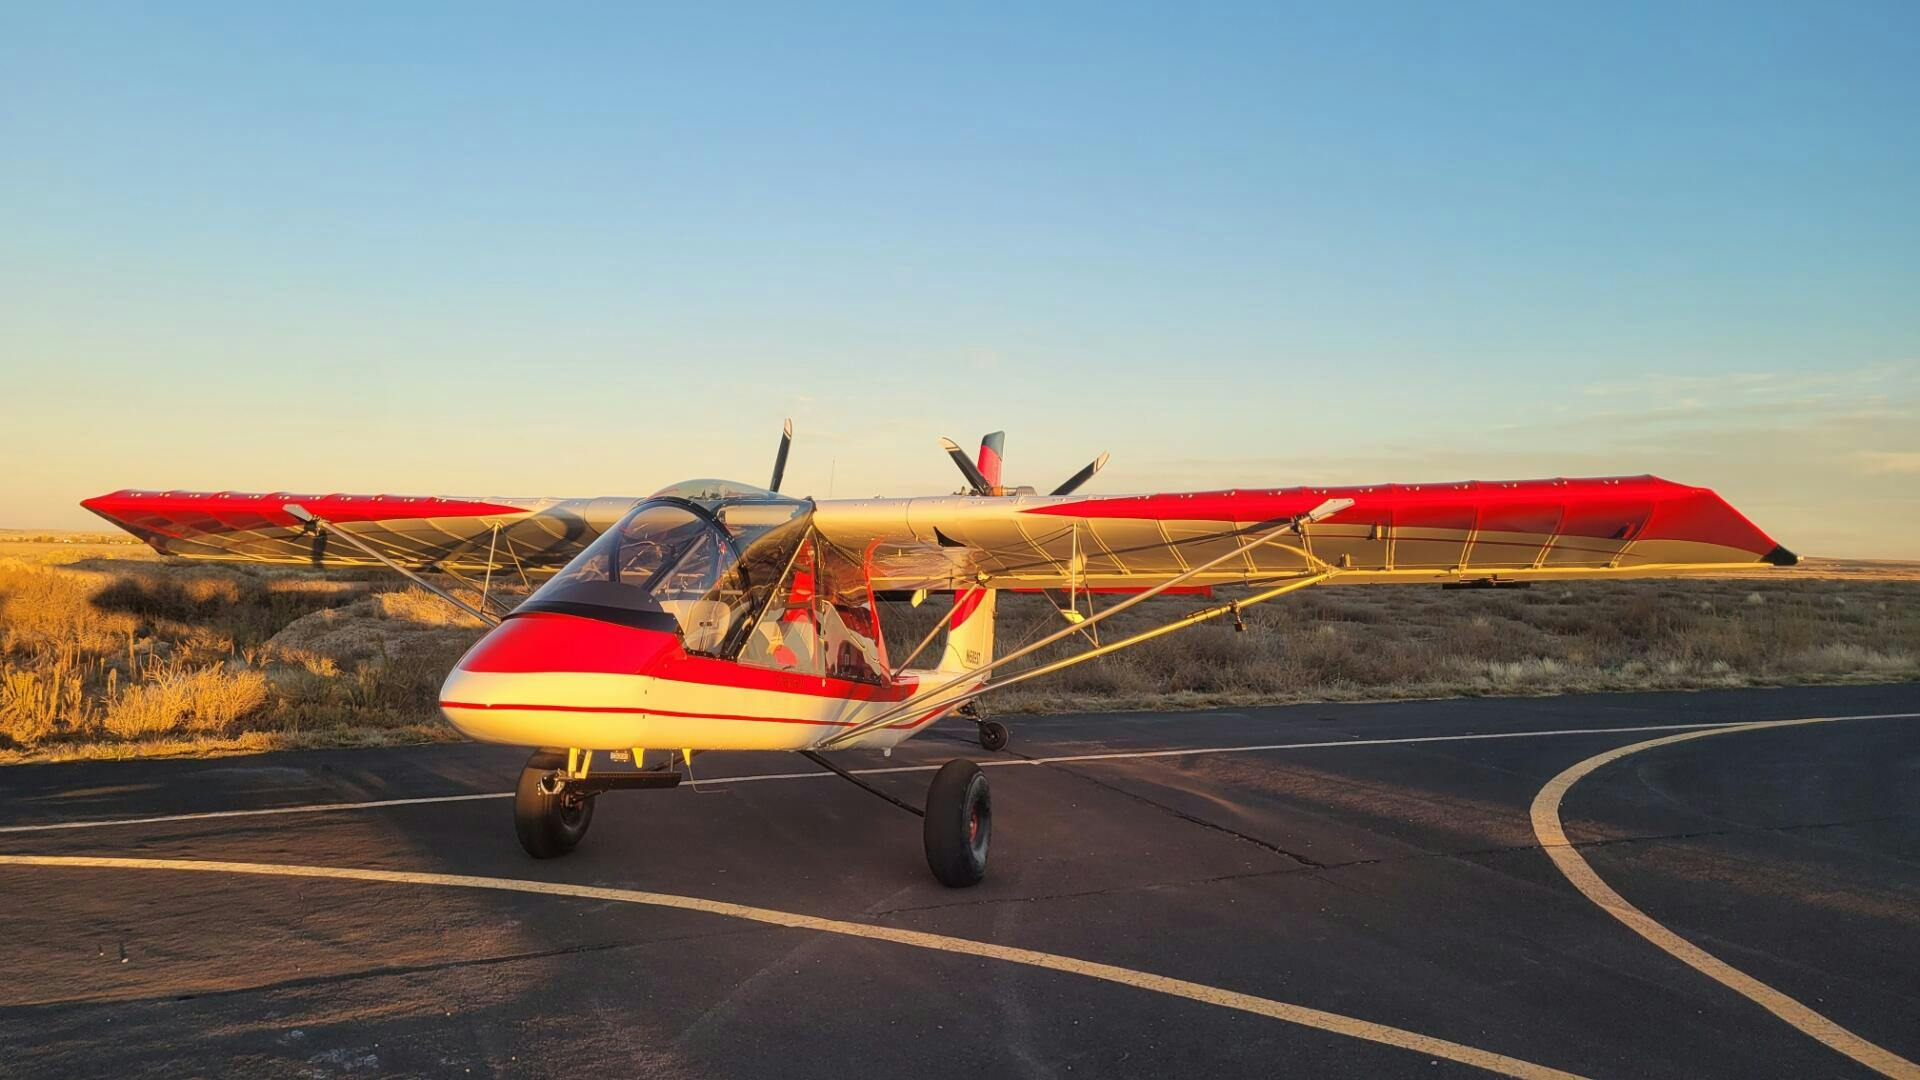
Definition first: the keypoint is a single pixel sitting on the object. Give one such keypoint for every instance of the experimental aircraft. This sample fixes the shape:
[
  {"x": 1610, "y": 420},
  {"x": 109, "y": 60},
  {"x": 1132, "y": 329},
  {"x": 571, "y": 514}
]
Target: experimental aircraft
[{"x": 715, "y": 615}]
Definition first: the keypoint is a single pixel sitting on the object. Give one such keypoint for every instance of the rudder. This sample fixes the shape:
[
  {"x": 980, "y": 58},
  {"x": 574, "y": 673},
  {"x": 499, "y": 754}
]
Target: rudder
[{"x": 970, "y": 634}]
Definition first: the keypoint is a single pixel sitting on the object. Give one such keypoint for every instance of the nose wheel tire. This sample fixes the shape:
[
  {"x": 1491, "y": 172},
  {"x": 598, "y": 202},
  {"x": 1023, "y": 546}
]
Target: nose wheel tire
[
  {"x": 958, "y": 825},
  {"x": 993, "y": 735},
  {"x": 548, "y": 825}
]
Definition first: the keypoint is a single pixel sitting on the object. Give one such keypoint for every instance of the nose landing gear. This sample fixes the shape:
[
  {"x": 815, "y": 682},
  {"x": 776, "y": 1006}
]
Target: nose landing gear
[{"x": 550, "y": 819}]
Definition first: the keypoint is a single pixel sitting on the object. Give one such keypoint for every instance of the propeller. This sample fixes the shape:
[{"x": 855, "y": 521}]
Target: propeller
[
  {"x": 967, "y": 468},
  {"x": 1073, "y": 482},
  {"x": 780, "y": 459},
  {"x": 985, "y": 478}
]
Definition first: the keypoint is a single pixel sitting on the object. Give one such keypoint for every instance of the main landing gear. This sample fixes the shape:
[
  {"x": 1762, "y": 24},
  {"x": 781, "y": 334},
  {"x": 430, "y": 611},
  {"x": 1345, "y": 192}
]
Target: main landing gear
[{"x": 957, "y": 824}]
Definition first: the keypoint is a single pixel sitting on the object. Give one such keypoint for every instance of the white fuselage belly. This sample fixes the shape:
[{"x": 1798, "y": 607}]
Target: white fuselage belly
[{"x": 618, "y": 712}]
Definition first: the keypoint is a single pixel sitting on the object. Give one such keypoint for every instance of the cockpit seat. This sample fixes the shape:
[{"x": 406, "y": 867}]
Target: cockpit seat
[{"x": 703, "y": 623}]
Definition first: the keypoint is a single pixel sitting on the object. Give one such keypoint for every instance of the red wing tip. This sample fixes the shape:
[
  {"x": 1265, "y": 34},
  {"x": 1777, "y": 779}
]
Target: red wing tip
[
  {"x": 272, "y": 505},
  {"x": 1780, "y": 556}
]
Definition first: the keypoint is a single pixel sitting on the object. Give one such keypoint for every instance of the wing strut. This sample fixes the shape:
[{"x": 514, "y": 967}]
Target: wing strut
[
  {"x": 928, "y": 640},
  {"x": 1231, "y": 607},
  {"x": 491, "y": 604},
  {"x": 971, "y": 684},
  {"x": 321, "y": 524}
]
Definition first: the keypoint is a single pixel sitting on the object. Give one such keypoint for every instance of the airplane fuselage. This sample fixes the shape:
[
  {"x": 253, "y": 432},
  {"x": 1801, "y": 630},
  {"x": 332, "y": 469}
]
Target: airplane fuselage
[{"x": 544, "y": 679}]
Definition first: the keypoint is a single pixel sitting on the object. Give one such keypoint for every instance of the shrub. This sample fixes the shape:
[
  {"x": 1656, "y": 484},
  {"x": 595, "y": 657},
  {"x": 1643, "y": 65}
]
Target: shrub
[{"x": 207, "y": 700}]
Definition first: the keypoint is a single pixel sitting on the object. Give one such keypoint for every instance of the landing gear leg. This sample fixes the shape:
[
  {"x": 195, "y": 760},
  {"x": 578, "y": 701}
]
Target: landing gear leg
[
  {"x": 958, "y": 824},
  {"x": 549, "y": 818},
  {"x": 993, "y": 733}
]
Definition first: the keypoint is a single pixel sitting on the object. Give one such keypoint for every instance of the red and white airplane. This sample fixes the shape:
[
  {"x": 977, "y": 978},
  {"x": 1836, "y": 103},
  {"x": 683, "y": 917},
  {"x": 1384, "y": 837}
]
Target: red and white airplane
[{"x": 714, "y": 615}]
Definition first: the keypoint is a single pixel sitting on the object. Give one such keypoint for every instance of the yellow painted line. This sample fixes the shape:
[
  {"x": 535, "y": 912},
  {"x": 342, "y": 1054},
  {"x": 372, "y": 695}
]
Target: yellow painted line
[
  {"x": 1553, "y": 838},
  {"x": 1139, "y": 980}
]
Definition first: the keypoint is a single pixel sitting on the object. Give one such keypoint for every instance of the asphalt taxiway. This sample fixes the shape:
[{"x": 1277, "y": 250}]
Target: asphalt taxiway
[{"x": 1318, "y": 890}]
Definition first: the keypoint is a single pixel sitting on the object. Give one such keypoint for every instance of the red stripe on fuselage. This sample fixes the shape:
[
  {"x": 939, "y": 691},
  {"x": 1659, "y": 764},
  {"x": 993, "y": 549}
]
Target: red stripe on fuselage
[
  {"x": 548, "y": 642},
  {"x": 628, "y": 710},
  {"x": 709, "y": 671}
]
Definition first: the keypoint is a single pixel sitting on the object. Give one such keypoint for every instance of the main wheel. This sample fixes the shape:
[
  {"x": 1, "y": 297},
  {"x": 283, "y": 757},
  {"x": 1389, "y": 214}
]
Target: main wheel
[
  {"x": 959, "y": 824},
  {"x": 548, "y": 825},
  {"x": 993, "y": 735}
]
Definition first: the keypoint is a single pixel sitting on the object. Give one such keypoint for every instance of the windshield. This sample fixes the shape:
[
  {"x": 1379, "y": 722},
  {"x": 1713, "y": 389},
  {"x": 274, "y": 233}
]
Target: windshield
[{"x": 697, "y": 566}]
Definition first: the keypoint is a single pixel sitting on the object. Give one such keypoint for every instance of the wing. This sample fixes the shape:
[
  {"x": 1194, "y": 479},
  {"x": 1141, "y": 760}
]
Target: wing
[
  {"x": 537, "y": 536},
  {"x": 1471, "y": 531}
]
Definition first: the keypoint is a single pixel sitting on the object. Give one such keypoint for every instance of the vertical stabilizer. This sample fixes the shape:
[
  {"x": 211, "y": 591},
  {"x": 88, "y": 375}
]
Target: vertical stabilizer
[
  {"x": 970, "y": 634},
  {"x": 993, "y": 448}
]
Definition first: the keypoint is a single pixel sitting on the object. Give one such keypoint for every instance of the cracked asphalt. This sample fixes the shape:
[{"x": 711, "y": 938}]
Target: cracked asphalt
[{"x": 1394, "y": 881}]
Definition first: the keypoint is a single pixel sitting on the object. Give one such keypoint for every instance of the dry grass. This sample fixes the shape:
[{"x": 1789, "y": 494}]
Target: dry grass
[
  {"x": 117, "y": 654},
  {"x": 1836, "y": 623},
  {"x": 207, "y": 699},
  {"x": 108, "y": 651}
]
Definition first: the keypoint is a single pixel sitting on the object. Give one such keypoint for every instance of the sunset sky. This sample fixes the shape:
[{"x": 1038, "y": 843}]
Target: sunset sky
[{"x": 509, "y": 251}]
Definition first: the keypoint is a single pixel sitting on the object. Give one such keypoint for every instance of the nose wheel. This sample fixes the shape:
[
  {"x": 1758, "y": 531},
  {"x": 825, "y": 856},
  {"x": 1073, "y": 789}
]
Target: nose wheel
[
  {"x": 958, "y": 824},
  {"x": 549, "y": 825}
]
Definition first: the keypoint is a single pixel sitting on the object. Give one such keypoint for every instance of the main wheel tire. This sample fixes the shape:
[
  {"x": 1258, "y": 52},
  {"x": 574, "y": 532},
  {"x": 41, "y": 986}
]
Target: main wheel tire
[
  {"x": 993, "y": 735},
  {"x": 548, "y": 825},
  {"x": 959, "y": 824}
]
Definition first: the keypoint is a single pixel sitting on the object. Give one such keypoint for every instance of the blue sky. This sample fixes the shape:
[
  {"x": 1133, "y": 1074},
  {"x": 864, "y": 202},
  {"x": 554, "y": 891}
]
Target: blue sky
[{"x": 493, "y": 250}]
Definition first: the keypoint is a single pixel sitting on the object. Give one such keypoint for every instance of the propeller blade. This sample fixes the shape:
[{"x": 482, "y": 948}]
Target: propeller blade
[
  {"x": 993, "y": 447},
  {"x": 1073, "y": 482},
  {"x": 967, "y": 468},
  {"x": 780, "y": 459}
]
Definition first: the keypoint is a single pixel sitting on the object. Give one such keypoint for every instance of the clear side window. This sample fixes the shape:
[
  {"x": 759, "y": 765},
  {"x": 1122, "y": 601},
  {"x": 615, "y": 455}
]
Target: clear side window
[
  {"x": 786, "y": 637},
  {"x": 681, "y": 588},
  {"x": 850, "y": 640},
  {"x": 745, "y": 590}
]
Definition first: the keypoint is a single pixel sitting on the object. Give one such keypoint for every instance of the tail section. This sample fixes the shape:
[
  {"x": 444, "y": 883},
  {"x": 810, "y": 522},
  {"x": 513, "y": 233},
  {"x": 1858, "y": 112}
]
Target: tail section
[
  {"x": 970, "y": 628},
  {"x": 993, "y": 446},
  {"x": 970, "y": 634}
]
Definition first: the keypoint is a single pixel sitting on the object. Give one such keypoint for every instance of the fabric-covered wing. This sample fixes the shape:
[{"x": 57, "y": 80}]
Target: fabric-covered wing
[
  {"x": 537, "y": 536},
  {"x": 1471, "y": 531}
]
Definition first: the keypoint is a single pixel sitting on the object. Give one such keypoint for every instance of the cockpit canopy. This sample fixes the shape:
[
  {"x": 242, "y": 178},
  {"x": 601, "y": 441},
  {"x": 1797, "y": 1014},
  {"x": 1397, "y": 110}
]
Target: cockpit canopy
[
  {"x": 695, "y": 558},
  {"x": 736, "y": 572},
  {"x": 709, "y": 491}
]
